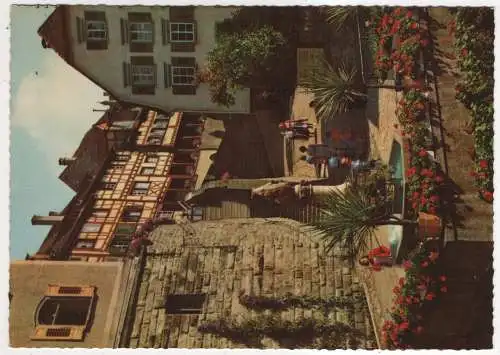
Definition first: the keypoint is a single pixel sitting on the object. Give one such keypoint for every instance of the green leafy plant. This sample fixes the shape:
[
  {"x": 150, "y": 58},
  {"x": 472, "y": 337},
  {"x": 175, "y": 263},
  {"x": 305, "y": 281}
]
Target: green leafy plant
[
  {"x": 241, "y": 60},
  {"x": 349, "y": 218},
  {"x": 336, "y": 89}
]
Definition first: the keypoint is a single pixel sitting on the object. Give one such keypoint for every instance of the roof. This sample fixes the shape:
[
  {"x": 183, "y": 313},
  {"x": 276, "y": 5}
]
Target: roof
[
  {"x": 56, "y": 33},
  {"x": 94, "y": 148}
]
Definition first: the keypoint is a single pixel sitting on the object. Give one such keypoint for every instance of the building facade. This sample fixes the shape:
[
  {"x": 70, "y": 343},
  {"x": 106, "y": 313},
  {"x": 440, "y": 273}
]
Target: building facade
[
  {"x": 66, "y": 304},
  {"x": 142, "y": 180},
  {"x": 145, "y": 55}
]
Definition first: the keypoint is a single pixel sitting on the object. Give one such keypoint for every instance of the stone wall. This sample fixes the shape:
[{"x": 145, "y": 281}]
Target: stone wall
[{"x": 268, "y": 257}]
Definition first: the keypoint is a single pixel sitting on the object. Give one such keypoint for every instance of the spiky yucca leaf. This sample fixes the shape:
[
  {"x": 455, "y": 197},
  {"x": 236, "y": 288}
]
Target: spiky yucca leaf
[
  {"x": 335, "y": 90},
  {"x": 348, "y": 220},
  {"x": 339, "y": 16}
]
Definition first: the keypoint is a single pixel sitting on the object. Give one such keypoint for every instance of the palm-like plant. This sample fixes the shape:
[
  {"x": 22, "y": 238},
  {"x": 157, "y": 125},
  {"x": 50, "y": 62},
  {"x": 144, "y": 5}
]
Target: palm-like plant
[
  {"x": 335, "y": 90},
  {"x": 339, "y": 16},
  {"x": 349, "y": 218}
]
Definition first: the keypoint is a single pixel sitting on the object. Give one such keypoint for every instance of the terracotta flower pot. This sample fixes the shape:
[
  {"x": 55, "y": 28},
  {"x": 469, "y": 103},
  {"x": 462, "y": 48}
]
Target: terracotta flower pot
[{"x": 429, "y": 225}]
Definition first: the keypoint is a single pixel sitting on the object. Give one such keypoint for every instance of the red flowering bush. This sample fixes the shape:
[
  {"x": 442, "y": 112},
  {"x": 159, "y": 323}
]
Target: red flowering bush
[
  {"x": 397, "y": 28},
  {"x": 412, "y": 295}
]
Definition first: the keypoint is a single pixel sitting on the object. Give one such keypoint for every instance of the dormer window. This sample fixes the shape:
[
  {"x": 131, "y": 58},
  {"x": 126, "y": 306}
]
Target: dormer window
[{"x": 64, "y": 313}]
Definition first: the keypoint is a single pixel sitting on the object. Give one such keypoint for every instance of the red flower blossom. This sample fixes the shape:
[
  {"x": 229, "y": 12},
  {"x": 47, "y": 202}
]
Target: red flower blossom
[
  {"x": 444, "y": 289},
  {"x": 409, "y": 14},
  {"x": 432, "y": 210},
  {"x": 434, "y": 198},
  {"x": 422, "y": 153},
  {"x": 409, "y": 299},
  {"x": 439, "y": 179},
  {"x": 416, "y": 195},
  {"x": 424, "y": 42},
  {"x": 442, "y": 278},
  {"x": 488, "y": 196},
  {"x": 401, "y": 281},
  {"x": 407, "y": 264},
  {"x": 433, "y": 256},
  {"x": 464, "y": 52},
  {"x": 472, "y": 173},
  {"x": 424, "y": 264},
  {"x": 430, "y": 296},
  {"x": 404, "y": 325},
  {"x": 396, "y": 290},
  {"x": 226, "y": 176},
  {"x": 483, "y": 164},
  {"x": 413, "y": 25}
]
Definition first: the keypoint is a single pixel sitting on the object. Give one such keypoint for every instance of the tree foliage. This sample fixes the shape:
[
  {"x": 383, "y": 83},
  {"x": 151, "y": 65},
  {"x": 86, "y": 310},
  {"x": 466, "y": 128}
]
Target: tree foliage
[{"x": 240, "y": 60}]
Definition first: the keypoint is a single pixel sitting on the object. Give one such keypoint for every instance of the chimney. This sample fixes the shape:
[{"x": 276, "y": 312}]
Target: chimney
[
  {"x": 66, "y": 161},
  {"x": 46, "y": 220}
]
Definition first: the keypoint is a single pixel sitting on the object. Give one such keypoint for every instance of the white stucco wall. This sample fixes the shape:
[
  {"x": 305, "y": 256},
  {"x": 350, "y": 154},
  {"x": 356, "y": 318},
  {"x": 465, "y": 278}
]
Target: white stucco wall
[{"x": 105, "y": 66}]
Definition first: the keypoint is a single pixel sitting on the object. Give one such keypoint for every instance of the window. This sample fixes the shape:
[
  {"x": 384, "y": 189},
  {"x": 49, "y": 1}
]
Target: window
[
  {"x": 123, "y": 157},
  {"x": 160, "y": 123},
  {"x": 142, "y": 75},
  {"x": 93, "y": 30},
  {"x": 141, "y": 32},
  {"x": 154, "y": 140},
  {"x": 185, "y": 304},
  {"x": 183, "y": 75},
  {"x": 151, "y": 159},
  {"x": 131, "y": 214},
  {"x": 121, "y": 239},
  {"x": 85, "y": 244},
  {"x": 181, "y": 32},
  {"x": 108, "y": 186},
  {"x": 96, "y": 30},
  {"x": 91, "y": 228},
  {"x": 147, "y": 171},
  {"x": 64, "y": 313},
  {"x": 140, "y": 188},
  {"x": 100, "y": 213}
]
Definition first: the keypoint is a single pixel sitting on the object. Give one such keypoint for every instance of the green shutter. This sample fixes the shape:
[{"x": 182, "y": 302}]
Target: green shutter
[
  {"x": 167, "y": 75},
  {"x": 126, "y": 75},
  {"x": 124, "y": 30},
  {"x": 165, "y": 31},
  {"x": 79, "y": 29}
]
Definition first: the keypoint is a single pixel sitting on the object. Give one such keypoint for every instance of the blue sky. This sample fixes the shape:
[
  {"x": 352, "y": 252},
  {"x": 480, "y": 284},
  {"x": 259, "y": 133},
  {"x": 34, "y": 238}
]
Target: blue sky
[{"x": 51, "y": 109}]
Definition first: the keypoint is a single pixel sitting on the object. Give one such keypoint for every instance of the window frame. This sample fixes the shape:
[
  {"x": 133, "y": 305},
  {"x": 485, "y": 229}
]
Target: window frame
[
  {"x": 172, "y": 32},
  {"x": 178, "y": 303},
  {"x": 150, "y": 75},
  {"x": 147, "y": 168},
  {"x": 174, "y": 76},
  {"x": 103, "y": 30},
  {"x": 85, "y": 240},
  {"x": 136, "y": 191},
  {"x": 139, "y": 31},
  {"x": 87, "y": 224}
]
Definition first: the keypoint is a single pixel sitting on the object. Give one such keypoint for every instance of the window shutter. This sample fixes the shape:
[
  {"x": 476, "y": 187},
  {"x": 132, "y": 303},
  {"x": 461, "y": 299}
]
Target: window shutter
[
  {"x": 49, "y": 332},
  {"x": 80, "y": 29},
  {"x": 124, "y": 30},
  {"x": 155, "y": 75},
  {"x": 167, "y": 75},
  {"x": 127, "y": 79},
  {"x": 195, "y": 31},
  {"x": 70, "y": 291},
  {"x": 165, "y": 31}
]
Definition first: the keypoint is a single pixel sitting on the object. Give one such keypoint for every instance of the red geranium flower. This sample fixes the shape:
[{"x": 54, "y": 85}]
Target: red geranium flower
[
  {"x": 407, "y": 264},
  {"x": 433, "y": 256},
  {"x": 464, "y": 52},
  {"x": 444, "y": 289},
  {"x": 434, "y": 198},
  {"x": 422, "y": 153},
  {"x": 439, "y": 179},
  {"x": 488, "y": 196},
  {"x": 396, "y": 290},
  {"x": 430, "y": 296},
  {"x": 442, "y": 278},
  {"x": 472, "y": 173},
  {"x": 401, "y": 281},
  {"x": 424, "y": 264},
  {"x": 416, "y": 195},
  {"x": 483, "y": 164},
  {"x": 404, "y": 326},
  {"x": 409, "y": 14}
]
